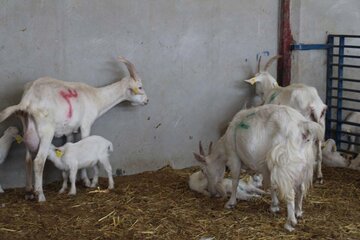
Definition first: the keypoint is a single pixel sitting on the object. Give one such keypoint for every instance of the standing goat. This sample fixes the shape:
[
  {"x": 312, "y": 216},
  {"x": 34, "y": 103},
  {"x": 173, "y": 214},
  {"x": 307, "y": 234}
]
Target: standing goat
[
  {"x": 10, "y": 135},
  {"x": 51, "y": 107},
  {"x": 88, "y": 152},
  {"x": 276, "y": 141},
  {"x": 302, "y": 98}
]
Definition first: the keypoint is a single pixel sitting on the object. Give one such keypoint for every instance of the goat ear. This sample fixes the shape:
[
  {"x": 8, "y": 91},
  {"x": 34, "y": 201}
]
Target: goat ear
[
  {"x": 200, "y": 158},
  {"x": 252, "y": 81}
]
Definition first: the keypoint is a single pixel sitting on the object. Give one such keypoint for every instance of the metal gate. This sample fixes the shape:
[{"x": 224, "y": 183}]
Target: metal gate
[{"x": 343, "y": 90}]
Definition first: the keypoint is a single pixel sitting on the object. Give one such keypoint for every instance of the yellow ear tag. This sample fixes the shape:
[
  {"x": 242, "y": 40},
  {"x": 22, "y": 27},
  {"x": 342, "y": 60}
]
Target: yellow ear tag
[
  {"x": 18, "y": 139},
  {"x": 252, "y": 81},
  {"x": 135, "y": 90},
  {"x": 59, "y": 153},
  {"x": 246, "y": 178}
]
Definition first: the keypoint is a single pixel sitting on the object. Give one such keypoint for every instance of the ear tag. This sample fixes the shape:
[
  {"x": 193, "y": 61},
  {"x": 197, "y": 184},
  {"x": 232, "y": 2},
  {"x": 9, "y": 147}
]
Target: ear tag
[
  {"x": 135, "y": 90},
  {"x": 247, "y": 178},
  {"x": 252, "y": 81},
  {"x": 58, "y": 153},
  {"x": 18, "y": 139}
]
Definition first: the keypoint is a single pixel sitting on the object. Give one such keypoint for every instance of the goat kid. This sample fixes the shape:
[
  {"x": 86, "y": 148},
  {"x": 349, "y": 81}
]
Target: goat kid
[
  {"x": 88, "y": 152},
  {"x": 355, "y": 118},
  {"x": 301, "y": 97},
  {"x": 54, "y": 108},
  {"x": 283, "y": 153},
  {"x": 10, "y": 135},
  {"x": 331, "y": 157},
  {"x": 247, "y": 189}
]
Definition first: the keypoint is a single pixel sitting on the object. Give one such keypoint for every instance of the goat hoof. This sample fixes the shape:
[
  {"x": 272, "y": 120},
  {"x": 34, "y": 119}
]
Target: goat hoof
[
  {"x": 72, "y": 193},
  {"x": 41, "y": 198},
  {"x": 299, "y": 214},
  {"x": 230, "y": 205},
  {"x": 29, "y": 195},
  {"x": 61, "y": 191},
  {"x": 274, "y": 209},
  {"x": 87, "y": 183},
  {"x": 288, "y": 227},
  {"x": 93, "y": 185},
  {"x": 320, "y": 180}
]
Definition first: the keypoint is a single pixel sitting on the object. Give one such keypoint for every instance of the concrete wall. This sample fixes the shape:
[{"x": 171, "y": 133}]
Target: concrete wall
[
  {"x": 191, "y": 55},
  {"x": 311, "y": 22}
]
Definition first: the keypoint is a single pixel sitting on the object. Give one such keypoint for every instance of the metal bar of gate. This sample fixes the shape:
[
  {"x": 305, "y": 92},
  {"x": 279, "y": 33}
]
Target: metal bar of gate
[
  {"x": 339, "y": 92},
  {"x": 329, "y": 81}
]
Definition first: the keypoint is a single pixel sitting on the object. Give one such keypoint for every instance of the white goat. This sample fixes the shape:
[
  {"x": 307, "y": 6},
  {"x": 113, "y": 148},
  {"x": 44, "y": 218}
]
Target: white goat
[
  {"x": 88, "y": 152},
  {"x": 331, "y": 157},
  {"x": 276, "y": 141},
  {"x": 355, "y": 118},
  {"x": 302, "y": 98},
  {"x": 355, "y": 163},
  {"x": 51, "y": 107},
  {"x": 248, "y": 187},
  {"x": 9, "y": 136}
]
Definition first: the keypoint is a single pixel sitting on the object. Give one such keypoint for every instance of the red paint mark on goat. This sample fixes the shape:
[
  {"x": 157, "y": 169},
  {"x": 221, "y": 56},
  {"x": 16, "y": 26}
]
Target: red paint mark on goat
[{"x": 67, "y": 95}]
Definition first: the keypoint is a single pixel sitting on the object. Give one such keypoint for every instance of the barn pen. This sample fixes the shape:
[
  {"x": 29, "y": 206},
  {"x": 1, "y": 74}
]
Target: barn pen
[{"x": 71, "y": 70}]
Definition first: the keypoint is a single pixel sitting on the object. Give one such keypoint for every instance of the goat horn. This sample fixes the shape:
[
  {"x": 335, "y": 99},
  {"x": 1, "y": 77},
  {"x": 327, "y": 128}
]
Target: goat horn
[
  {"x": 210, "y": 147},
  {"x": 271, "y": 60},
  {"x": 130, "y": 67},
  {"x": 258, "y": 65},
  {"x": 201, "y": 149}
]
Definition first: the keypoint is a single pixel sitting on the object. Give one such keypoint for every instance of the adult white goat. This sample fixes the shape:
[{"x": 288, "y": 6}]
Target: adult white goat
[
  {"x": 355, "y": 118},
  {"x": 9, "y": 136},
  {"x": 301, "y": 97},
  {"x": 51, "y": 107},
  {"x": 276, "y": 141},
  {"x": 88, "y": 152}
]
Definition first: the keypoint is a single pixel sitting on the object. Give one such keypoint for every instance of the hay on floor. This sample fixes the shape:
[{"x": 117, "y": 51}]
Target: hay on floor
[{"x": 159, "y": 205}]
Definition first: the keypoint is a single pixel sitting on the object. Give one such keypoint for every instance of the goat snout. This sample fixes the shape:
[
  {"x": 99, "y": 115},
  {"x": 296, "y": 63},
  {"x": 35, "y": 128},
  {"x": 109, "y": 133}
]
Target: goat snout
[{"x": 146, "y": 102}]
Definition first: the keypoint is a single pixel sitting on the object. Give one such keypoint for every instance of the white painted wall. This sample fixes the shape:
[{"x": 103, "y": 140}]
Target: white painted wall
[
  {"x": 311, "y": 22},
  {"x": 191, "y": 55}
]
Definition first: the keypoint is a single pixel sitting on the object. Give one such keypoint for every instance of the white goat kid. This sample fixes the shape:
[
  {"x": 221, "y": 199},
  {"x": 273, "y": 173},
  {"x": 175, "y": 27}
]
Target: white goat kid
[
  {"x": 247, "y": 189},
  {"x": 302, "y": 98},
  {"x": 88, "y": 152},
  {"x": 331, "y": 157},
  {"x": 9, "y": 136},
  {"x": 51, "y": 107},
  {"x": 355, "y": 118},
  {"x": 276, "y": 141}
]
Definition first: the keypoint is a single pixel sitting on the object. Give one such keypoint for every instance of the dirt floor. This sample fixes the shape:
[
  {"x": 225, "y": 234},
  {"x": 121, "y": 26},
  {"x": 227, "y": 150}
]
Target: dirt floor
[{"x": 159, "y": 205}]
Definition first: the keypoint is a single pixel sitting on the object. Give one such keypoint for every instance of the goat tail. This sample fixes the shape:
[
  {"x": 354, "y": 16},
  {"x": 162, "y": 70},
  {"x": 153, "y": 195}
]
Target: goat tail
[
  {"x": 288, "y": 170},
  {"x": 7, "y": 112},
  {"x": 271, "y": 60}
]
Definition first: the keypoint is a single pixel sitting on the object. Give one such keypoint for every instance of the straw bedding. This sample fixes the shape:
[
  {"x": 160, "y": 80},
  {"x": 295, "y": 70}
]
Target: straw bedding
[{"x": 159, "y": 205}]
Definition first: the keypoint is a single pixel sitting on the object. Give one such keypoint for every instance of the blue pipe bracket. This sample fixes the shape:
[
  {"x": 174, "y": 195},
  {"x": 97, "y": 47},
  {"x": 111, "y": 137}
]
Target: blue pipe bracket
[{"x": 304, "y": 47}]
